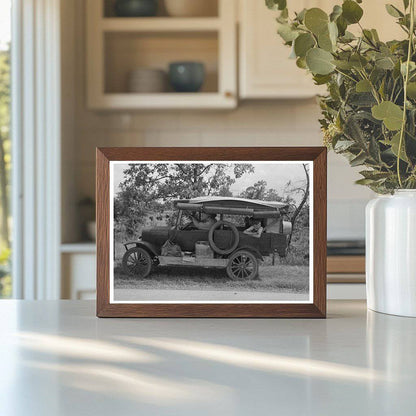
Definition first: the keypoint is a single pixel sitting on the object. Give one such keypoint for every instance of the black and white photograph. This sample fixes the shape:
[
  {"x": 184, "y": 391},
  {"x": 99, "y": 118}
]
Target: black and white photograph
[{"x": 211, "y": 232}]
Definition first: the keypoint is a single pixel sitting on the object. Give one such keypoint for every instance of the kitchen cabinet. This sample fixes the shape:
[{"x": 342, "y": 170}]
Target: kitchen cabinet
[
  {"x": 116, "y": 46},
  {"x": 265, "y": 70},
  {"x": 78, "y": 262}
]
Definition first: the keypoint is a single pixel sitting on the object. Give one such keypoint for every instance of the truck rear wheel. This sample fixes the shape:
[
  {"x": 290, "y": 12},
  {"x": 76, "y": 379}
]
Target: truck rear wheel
[{"x": 242, "y": 265}]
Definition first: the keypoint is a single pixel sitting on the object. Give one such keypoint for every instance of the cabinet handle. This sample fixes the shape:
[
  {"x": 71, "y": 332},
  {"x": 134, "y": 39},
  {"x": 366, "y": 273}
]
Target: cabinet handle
[{"x": 228, "y": 94}]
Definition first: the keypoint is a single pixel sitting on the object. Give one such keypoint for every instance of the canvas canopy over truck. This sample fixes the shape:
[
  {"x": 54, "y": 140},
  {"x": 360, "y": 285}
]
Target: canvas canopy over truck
[{"x": 224, "y": 244}]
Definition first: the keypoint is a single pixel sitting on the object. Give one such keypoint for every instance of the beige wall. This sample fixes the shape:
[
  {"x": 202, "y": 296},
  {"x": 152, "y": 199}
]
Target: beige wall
[{"x": 268, "y": 123}]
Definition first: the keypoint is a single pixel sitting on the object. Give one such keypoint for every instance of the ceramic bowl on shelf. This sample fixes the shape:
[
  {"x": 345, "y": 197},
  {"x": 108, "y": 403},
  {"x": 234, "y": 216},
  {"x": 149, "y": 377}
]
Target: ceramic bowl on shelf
[
  {"x": 191, "y": 8},
  {"x": 186, "y": 76},
  {"x": 147, "y": 80},
  {"x": 135, "y": 8}
]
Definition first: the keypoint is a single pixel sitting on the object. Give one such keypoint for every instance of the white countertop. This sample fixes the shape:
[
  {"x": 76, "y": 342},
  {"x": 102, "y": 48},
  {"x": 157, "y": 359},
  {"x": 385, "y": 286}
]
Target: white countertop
[{"x": 57, "y": 359}]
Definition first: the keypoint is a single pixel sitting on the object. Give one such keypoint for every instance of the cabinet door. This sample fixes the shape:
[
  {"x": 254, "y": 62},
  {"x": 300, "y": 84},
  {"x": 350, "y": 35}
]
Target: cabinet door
[
  {"x": 376, "y": 17},
  {"x": 78, "y": 276},
  {"x": 265, "y": 68}
]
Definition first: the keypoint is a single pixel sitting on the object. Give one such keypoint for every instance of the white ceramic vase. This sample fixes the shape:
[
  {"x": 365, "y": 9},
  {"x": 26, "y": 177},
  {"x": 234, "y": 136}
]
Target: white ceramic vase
[{"x": 391, "y": 253}]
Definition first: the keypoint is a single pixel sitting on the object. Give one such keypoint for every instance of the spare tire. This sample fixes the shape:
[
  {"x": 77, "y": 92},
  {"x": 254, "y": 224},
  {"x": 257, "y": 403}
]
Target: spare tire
[{"x": 214, "y": 245}]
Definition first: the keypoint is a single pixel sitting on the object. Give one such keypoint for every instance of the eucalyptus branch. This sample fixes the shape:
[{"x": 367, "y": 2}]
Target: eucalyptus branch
[
  {"x": 392, "y": 90},
  {"x": 398, "y": 94},
  {"x": 369, "y": 41},
  {"x": 351, "y": 119},
  {"x": 404, "y": 29},
  {"x": 373, "y": 89},
  {"x": 405, "y": 81},
  {"x": 346, "y": 75}
]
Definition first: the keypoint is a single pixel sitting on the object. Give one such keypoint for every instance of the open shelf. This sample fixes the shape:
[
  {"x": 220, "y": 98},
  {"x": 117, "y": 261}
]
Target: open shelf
[
  {"x": 160, "y": 24},
  {"x": 80, "y": 247},
  {"x": 130, "y": 101},
  {"x": 211, "y": 9},
  {"x": 127, "y": 51},
  {"x": 116, "y": 46}
]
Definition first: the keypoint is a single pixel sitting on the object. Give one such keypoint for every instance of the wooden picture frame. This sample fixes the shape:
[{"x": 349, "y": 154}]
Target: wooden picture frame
[{"x": 316, "y": 308}]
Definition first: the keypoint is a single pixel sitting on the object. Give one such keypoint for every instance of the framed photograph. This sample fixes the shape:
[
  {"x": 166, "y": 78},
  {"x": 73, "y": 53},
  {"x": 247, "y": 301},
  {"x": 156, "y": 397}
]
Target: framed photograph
[{"x": 211, "y": 232}]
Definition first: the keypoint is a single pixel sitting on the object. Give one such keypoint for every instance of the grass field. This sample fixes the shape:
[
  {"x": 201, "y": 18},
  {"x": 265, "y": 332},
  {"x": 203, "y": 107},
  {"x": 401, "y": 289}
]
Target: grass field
[{"x": 280, "y": 278}]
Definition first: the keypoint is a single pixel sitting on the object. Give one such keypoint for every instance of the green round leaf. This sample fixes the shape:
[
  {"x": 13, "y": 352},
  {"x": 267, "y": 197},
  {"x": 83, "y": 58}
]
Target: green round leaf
[
  {"x": 327, "y": 40},
  {"x": 300, "y": 16},
  {"x": 391, "y": 114},
  {"x": 403, "y": 66},
  {"x": 276, "y": 4},
  {"x": 368, "y": 36},
  {"x": 394, "y": 144},
  {"x": 286, "y": 32},
  {"x": 321, "y": 79},
  {"x": 324, "y": 42},
  {"x": 396, "y": 70},
  {"x": 316, "y": 20},
  {"x": 336, "y": 12},
  {"x": 284, "y": 14},
  {"x": 342, "y": 25},
  {"x": 385, "y": 63},
  {"x": 363, "y": 86},
  {"x": 333, "y": 32},
  {"x": 351, "y": 11},
  {"x": 347, "y": 37},
  {"x": 358, "y": 61},
  {"x": 303, "y": 43},
  {"x": 375, "y": 35},
  {"x": 342, "y": 64},
  {"x": 301, "y": 63},
  {"x": 393, "y": 11},
  {"x": 319, "y": 61},
  {"x": 411, "y": 90}
]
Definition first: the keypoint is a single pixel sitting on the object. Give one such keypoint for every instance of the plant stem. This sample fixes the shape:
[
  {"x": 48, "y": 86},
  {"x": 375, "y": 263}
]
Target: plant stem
[
  {"x": 369, "y": 41},
  {"x": 392, "y": 90},
  {"x": 346, "y": 75},
  {"x": 397, "y": 95},
  {"x": 373, "y": 90},
  {"x": 406, "y": 80}
]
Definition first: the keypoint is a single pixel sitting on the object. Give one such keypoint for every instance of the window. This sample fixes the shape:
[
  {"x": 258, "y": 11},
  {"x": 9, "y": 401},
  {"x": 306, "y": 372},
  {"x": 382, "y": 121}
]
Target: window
[{"x": 5, "y": 144}]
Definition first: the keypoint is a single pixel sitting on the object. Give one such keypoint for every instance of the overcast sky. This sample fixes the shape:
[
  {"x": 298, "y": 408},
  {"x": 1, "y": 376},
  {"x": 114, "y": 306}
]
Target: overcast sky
[{"x": 277, "y": 175}]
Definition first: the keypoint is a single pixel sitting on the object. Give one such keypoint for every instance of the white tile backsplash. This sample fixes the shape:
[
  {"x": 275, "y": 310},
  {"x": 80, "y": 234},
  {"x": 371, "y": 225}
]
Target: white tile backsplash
[
  {"x": 271, "y": 123},
  {"x": 346, "y": 219},
  {"x": 341, "y": 180}
]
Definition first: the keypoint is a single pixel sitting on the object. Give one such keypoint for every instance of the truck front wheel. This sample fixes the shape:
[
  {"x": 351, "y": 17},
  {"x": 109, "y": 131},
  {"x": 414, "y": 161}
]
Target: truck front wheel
[{"x": 137, "y": 262}]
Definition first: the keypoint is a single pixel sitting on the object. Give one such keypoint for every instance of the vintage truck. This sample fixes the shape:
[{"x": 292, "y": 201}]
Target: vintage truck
[{"x": 227, "y": 245}]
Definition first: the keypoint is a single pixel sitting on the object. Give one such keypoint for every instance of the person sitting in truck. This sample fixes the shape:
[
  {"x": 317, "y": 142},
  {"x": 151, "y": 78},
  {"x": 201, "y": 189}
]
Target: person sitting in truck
[
  {"x": 255, "y": 230},
  {"x": 205, "y": 222},
  {"x": 248, "y": 222}
]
